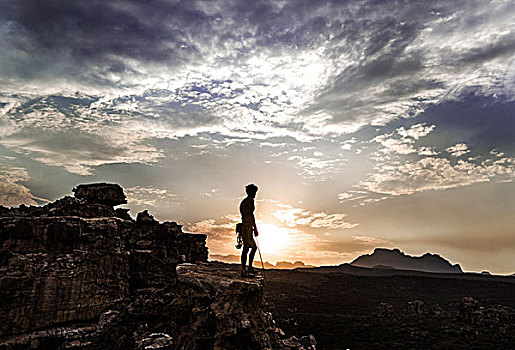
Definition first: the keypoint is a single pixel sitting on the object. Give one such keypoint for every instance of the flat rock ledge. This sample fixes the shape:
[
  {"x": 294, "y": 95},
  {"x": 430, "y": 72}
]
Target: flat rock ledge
[{"x": 226, "y": 310}]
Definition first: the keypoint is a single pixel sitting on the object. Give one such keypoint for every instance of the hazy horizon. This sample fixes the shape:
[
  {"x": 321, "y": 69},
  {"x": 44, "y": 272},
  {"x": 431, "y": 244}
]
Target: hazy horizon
[{"x": 364, "y": 124}]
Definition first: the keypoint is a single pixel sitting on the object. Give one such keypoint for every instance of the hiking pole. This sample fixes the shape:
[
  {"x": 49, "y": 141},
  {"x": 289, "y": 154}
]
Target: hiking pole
[{"x": 260, "y": 258}]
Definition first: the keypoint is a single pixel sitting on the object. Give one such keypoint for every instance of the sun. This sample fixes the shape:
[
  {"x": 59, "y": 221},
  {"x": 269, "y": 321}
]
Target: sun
[{"x": 272, "y": 238}]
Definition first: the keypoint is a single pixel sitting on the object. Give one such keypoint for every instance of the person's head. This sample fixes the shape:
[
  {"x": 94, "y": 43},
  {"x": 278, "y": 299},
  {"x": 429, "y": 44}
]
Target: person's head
[{"x": 251, "y": 190}]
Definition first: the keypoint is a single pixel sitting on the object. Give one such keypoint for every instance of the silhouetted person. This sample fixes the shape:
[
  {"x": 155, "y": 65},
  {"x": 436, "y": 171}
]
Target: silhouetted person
[{"x": 249, "y": 229}]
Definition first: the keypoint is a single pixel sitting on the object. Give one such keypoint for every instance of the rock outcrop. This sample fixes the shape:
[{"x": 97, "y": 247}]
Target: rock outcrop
[
  {"x": 79, "y": 274},
  {"x": 102, "y": 193},
  {"x": 395, "y": 259},
  {"x": 472, "y": 312}
]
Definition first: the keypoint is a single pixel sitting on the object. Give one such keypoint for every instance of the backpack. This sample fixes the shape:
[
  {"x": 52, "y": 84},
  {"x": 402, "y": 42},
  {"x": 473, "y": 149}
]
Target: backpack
[{"x": 239, "y": 238}]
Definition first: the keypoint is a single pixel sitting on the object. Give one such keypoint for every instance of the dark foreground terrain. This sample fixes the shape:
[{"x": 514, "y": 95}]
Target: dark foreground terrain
[
  {"x": 77, "y": 274},
  {"x": 348, "y": 307}
]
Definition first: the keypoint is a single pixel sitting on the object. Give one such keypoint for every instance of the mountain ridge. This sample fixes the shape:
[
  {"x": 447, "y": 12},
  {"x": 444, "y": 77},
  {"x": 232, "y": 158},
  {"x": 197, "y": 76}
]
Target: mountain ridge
[{"x": 396, "y": 259}]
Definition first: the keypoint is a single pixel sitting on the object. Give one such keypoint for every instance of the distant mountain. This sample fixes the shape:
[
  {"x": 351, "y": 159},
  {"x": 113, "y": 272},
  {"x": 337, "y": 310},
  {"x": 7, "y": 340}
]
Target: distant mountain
[
  {"x": 235, "y": 259},
  {"x": 290, "y": 265},
  {"x": 394, "y": 258},
  {"x": 230, "y": 258}
]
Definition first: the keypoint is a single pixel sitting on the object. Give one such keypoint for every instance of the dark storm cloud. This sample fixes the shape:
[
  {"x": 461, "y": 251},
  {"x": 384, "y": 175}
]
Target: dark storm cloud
[
  {"x": 77, "y": 36},
  {"x": 102, "y": 33},
  {"x": 375, "y": 43},
  {"x": 384, "y": 58},
  {"x": 504, "y": 48},
  {"x": 371, "y": 44},
  {"x": 388, "y": 56}
]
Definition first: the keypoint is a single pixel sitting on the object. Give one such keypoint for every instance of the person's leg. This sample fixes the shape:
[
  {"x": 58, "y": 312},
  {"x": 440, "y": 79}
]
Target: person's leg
[
  {"x": 244, "y": 253},
  {"x": 251, "y": 257}
]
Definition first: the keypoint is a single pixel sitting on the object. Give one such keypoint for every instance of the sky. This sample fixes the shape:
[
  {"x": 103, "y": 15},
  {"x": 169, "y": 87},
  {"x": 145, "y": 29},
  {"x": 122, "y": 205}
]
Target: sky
[{"x": 364, "y": 123}]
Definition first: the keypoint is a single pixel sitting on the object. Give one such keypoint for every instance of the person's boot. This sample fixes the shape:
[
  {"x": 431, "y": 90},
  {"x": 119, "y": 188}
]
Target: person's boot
[
  {"x": 244, "y": 273},
  {"x": 252, "y": 271}
]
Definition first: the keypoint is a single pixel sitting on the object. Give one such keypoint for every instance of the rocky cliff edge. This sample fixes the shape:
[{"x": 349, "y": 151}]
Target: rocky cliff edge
[{"x": 79, "y": 274}]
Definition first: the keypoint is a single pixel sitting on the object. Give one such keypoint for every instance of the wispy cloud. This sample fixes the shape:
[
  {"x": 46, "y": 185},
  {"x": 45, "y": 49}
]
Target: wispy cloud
[
  {"x": 297, "y": 217},
  {"x": 149, "y": 196},
  {"x": 288, "y": 242},
  {"x": 433, "y": 174},
  {"x": 402, "y": 168}
]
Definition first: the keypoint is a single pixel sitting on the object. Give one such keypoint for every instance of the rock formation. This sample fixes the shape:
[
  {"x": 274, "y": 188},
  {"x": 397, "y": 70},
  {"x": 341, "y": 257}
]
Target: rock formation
[
  {"x": 416, "y": 307},
  {"x": 385, "y": 310},
  {"x": 394, "y": 258},
  {"x": 472, "y": 312},
  {"x": 79, "y": 274},
  {"x": 102, "y": 193}
]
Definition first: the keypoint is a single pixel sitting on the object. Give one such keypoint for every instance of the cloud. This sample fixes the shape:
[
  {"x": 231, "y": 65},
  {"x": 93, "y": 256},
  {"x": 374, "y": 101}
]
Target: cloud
[
  {"x": 458, "y": 149},
  {"x": 435, "y": 174},
  {"x": 297, "y": 217},
  {"x": 401, "y": 146},
  {"x": 347, "y": 144},
  {"x": 402, "y": 140},
  {"x": 266, "y": 69},
  {"x": 149, "y": 196},
  {"x": 355, "y": 244},
  {"x": 427, "y": 151},
  {"x": 101, "y": 42},
  {"x": 12, "y": 193},
  {"x": 103, "y": 88},
  {"x": 394, "y": 64},
  {"x": 416, "y": 131},
  {"x": 71, "y": 132},
  {"x": 316, "y": 168},
  {"x": 221, "y": 232},
  {"x": 279, "y": 243},
  {"x": 352, "y": 195},
  {"x": 210, "y": 193},
  {"x": 403, "y": 168}
]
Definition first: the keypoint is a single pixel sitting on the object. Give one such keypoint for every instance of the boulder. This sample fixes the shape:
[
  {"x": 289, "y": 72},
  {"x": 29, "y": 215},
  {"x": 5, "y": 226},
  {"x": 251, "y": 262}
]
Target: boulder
[
  {"x": 385, "y": 310},
  {"x": 157, "y": 341},
  {"x": 471, "y": 312},
  {"x": 308, "y": 342},
  {"x": 416, "y": 307},
  {"x": 101, "y": 193},
  {"x": 436, "y": 310}
]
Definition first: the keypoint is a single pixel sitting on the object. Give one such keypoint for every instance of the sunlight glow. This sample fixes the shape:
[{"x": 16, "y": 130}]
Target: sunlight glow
[{"x": 273, "y": 239}]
